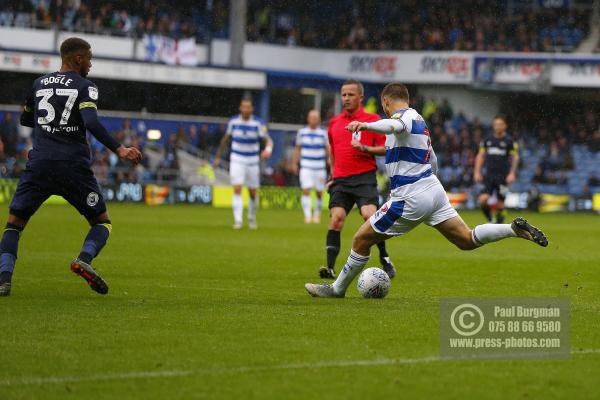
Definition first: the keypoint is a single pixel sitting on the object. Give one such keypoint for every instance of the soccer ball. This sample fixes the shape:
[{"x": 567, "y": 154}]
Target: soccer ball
[{"x": 373, "y": 283}]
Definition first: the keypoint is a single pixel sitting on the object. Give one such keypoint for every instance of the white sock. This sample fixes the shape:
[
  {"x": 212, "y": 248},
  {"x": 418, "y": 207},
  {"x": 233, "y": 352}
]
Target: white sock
[
  {"x": 252, "y": 206},
  {"x": 488, "y": 233},
  {"x": 353, "y": 266},
  {"x": 238, "y": 208},
  {"x": 318, "y": 207},
  {"x": 306, "y": 205}
]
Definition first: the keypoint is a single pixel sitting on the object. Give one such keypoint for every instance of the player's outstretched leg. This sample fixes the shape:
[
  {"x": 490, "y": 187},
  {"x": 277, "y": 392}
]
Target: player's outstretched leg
[
  {"x": 457, "y": 232},
  {"x": 8, "y": 254},
  {"x": 93, "y": 244}
]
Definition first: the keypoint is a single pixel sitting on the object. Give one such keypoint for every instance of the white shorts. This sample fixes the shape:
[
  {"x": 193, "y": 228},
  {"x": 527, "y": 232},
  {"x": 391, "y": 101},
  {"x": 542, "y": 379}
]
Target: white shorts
[
  {"x": 313, "y": 179},
  {"x": 242, "y": 174},
  {"x": 397, "y": 217}
]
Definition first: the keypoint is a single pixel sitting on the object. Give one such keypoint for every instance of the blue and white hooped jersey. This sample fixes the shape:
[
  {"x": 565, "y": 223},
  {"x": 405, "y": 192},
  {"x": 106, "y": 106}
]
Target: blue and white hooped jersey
[
  {"x": 408, "y": 154},
  {"x": 313, "y": 147},
  {"x": 245, "y": 139}
]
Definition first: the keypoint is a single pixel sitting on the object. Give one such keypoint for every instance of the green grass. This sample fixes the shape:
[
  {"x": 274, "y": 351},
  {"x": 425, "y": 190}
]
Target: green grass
[{"x": 197, "y": 310}]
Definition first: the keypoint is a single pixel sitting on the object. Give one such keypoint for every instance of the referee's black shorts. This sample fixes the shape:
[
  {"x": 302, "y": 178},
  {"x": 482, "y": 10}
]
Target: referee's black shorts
[{"x": 358, "y": 189}]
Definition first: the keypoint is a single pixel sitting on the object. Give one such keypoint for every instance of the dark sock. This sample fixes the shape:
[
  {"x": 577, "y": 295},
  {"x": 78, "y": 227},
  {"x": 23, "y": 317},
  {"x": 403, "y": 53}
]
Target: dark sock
[
  {"x": 333, "y": 247},
  {"x": 382, "y": 251},
  {"x": 95, "y": 241},
  {"x": 85, "y": 257},
  {"x": 500, "y": 215},
  {"x": 487, "y": 212},
  {"x": 8, "y": 251}
]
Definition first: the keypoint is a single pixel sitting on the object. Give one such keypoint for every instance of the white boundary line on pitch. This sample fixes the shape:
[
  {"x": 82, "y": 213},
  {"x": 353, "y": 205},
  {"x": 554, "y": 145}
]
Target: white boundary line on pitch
[{"x": 28, "y": 381}]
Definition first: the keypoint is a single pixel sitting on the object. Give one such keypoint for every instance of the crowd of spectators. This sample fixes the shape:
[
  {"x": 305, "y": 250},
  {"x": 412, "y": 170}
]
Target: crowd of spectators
[
  {"x": 471, "y": 25},
  {"x": 186, "y": 18},
  {"x": 15, "y": 143},
  {"x": 197, "y": 139}
]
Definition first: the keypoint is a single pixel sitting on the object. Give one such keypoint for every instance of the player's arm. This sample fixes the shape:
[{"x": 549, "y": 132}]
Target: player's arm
[
  {"x": 27, "y": 114},
  {"x": 88, "y": 109},
  {"x": 479, "y": 160},
  {"x": 266, "y": 153},
  {"x": 93, "y": 124},
  {"x": 221, "y": 149},
  {"x": 383, "y": 126},
  {"x": 296, "y": 155},
  {"x": 264, "y": 134},
  {"x": 514, "y": 164},
  {"x": 377, "y": 147}
]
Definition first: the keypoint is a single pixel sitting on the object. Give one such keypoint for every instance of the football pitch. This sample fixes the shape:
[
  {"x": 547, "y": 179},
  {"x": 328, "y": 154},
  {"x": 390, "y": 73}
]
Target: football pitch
[{"x": 199, "y": 311}]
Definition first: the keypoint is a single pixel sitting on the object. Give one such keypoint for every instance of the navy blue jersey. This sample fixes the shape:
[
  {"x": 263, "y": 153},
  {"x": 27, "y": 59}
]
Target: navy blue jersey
[
  {"x": 498, "y": 152},
  {"x": 59, "y": 131}
]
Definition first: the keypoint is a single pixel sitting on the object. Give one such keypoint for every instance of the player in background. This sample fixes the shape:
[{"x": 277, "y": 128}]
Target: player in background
[
  {"x": 245, "y": 132},
  {"x": 312, "y": 154},
  {"x": 416, "y": 195},
  {"x": 500, "y": 155},
  {"x": 354, "y": 173},
  {"x": 59, "y": 108}
]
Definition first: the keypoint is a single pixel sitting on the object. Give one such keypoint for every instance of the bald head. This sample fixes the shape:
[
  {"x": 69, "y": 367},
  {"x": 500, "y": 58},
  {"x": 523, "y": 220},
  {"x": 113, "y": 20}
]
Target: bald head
[{"x": 313, "y": 118}]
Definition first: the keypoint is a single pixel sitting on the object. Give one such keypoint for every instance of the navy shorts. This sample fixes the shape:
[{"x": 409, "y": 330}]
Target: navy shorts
[
  {"x": 495, "y": 184},
  {"x": 74, "y": 181}
]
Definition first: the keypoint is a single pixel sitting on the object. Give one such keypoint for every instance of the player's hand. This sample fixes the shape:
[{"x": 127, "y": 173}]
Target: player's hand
[
  {"x": 295, "y": 169},
  {"x": 356, "y": 126},
  {"x": 478, "y": 178},
  {"x": 266, "y": 154},
  {"x": 510, "y": 178},
  {"x": 216, "y": 162},
  {"x": 130, "y": 153}
]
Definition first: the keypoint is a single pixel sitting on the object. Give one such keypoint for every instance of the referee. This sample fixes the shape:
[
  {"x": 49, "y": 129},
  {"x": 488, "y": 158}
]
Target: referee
[
  {"x": 354, "y": 173},
  {"x": 500, "y": 154}
]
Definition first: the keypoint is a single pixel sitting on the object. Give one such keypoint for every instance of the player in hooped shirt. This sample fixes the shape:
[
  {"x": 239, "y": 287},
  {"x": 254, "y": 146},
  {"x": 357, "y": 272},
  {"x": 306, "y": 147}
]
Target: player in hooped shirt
[
  {"x": 417, "y": 196},
  {"x": 245, "y": 131},
  {"x": 60, "y": 108},
  {"x": 312, "y": 154}
]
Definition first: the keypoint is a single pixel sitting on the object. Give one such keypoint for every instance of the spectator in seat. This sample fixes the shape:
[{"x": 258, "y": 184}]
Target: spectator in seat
[{"x": 9, "y": 133}]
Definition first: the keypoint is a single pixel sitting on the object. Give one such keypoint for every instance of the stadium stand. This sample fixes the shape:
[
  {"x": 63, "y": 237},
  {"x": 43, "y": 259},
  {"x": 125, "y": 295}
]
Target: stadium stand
[{"x": 472, "y": 25}]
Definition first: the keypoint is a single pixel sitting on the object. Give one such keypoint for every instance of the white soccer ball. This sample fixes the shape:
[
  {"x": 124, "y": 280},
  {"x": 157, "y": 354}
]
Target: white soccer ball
[{"x": 373, "y": 283}]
